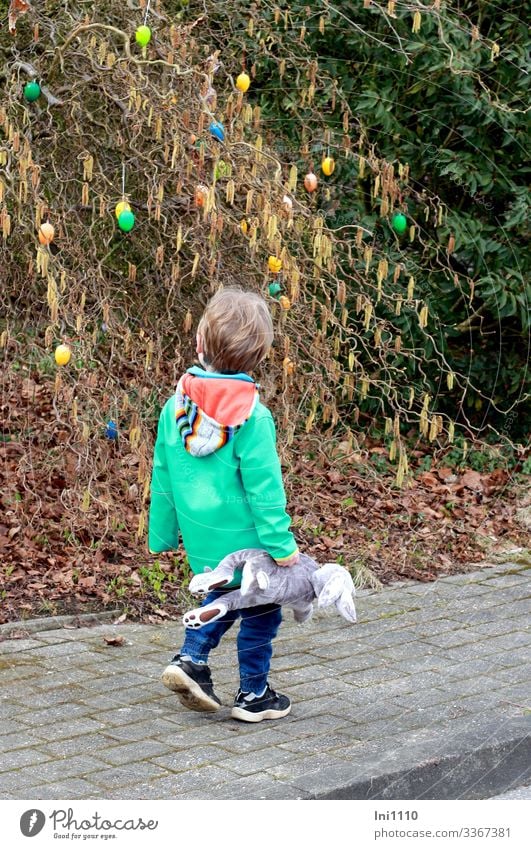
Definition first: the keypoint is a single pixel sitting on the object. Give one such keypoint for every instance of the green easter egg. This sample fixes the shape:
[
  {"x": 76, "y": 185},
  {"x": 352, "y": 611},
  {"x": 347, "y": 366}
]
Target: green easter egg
[
  {"x": 399, "y": 222},
  {"x": 32, "y": 91},
  {"x": 274, "y": 289},
  {"x": 143, "y": 36},
  {"x": 126, "y": 221},
  {"x": 222, "y": 170}
]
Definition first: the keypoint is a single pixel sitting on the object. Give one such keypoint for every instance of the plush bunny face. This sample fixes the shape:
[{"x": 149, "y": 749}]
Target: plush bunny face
[{"x": 333, "y": 585}]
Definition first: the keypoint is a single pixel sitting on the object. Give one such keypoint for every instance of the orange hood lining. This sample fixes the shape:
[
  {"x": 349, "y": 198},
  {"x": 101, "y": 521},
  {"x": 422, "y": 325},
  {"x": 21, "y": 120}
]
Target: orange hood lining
[{"x": 227, "y": 401}]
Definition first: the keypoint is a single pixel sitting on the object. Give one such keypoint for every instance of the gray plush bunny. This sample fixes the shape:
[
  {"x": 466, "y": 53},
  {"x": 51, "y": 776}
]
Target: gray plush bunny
[{"x": 263, "y": 582}]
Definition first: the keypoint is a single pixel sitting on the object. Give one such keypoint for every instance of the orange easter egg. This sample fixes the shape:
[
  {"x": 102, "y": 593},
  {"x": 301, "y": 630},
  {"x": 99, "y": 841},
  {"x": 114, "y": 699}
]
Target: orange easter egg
[
  {"x": 201, "y": 193},
  {"x": 46, "y": 233},
  {"x": 310, "y": 182},
  {"x": 288, "y": 365}
]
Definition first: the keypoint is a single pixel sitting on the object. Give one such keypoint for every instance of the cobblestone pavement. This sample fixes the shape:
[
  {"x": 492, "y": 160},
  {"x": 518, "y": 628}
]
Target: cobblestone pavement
[{"x": 432, "y": 675}]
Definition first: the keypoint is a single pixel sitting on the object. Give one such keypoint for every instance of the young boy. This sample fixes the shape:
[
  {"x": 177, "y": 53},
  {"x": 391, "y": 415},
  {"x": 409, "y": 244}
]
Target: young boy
[{"x": 217, "y": 480}]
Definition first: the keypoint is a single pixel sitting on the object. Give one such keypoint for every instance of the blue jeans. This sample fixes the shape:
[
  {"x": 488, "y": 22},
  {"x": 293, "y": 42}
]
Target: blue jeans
[{"x": 258, "y": 627}]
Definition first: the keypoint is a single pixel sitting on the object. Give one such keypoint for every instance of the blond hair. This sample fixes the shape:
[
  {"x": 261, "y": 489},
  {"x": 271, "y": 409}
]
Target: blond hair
[{"x": 237, "y": 330}]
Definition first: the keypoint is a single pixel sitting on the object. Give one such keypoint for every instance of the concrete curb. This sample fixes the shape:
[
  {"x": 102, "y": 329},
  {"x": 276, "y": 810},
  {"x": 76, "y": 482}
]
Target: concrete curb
[
  {"x": 492, "y": 758},
  {"x": 50, "y": 623}
]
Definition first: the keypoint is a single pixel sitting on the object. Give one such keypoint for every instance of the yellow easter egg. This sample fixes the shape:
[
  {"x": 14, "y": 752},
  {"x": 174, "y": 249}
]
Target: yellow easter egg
[
  {"x": 275, "y": 264},
  {"x": 244, "y": 226},
  {"x": 62, "y": 355},
  {"x": 120, "y": 207},
  {"x": 243, "y": 82},
  {"x": 328, "y": 164},
  {"x": 284, "y": 302}
]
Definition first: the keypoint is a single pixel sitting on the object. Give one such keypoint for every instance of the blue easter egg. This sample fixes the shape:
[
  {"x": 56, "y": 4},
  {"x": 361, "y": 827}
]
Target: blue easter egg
[
  {"x": 216, "y": 129},
  {"x": 111, "y": 431}
]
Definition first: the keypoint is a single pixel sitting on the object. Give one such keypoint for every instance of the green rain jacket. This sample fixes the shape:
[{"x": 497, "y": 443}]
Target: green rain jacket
[{"x": 216, "y": 476}]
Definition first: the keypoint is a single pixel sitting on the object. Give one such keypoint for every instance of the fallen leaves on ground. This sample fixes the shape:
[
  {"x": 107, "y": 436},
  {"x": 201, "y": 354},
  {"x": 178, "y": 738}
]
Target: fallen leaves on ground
[{"x": 57, "y": 559}]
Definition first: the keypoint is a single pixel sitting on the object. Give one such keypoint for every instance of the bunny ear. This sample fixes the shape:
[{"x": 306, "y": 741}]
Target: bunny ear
[
  {"x": 345, "y": 606},
  {"x": 331, "y": 591}
]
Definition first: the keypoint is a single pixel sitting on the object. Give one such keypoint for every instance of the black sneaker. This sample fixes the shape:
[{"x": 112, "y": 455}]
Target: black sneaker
[
  {"x": 192, "y": 683},
  {"x": 269, "y": 706}
]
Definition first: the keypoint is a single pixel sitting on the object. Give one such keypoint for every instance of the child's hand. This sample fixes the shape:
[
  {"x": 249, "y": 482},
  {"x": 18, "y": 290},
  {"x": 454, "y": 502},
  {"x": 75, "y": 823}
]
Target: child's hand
[{"x": 293, "y": 560}]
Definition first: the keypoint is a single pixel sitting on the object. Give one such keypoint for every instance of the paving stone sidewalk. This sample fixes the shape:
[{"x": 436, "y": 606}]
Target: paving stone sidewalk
[{"x": 426, "y": 697}]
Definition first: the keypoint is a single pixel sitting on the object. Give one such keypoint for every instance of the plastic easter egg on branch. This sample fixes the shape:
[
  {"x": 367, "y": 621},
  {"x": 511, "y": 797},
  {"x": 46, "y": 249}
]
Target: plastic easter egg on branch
[
  {"x": 243, "y": 82},
  {"x": 399, "y": 223},
  {"x": 32, "y": 91},
  {"x": 126, "y": 221},
  {"x": 284, "y": 302},
  {"x": 222, "y": 170},
  {"x": 327, "y": 165},
  {"x": 287, "y": 204},
  {"x": 46, "y": 233},
  {"x": 244, "y": 226},
  {"x": 275, "y": 264},
  {"x": 201, "y": 194},
  {"x": 143, "y": 36},
  {"x": 275, "y": 289},
  {"x": 111, "y": 430},
  {"x": 120, "y": 207},
  {"x": 62, "y": 355},
  {"x": 288, "y": 365},
  {"x": 217, "y": 130},
  {"x": 310, "y": 182}
]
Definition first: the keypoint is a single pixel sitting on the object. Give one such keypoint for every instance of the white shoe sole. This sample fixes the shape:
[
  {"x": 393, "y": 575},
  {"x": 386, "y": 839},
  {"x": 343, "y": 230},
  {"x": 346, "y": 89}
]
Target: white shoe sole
[
  {"x": 247, "y": 716},
  {"x": 188, "y": 691}
]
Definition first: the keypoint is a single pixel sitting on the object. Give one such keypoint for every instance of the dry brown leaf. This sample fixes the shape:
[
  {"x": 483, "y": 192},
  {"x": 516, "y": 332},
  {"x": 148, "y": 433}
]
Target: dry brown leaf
[
  {"x": 429, "y": 479},
  {"x": 472, "y": 480},
  {"x": 120, "y": 619},
  {"x": 114, "y": 640},
  {"x": 87, "y": 583}
]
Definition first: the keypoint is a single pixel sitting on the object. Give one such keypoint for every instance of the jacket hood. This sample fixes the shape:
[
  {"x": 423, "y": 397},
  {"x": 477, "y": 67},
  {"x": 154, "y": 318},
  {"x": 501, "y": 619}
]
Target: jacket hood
[{"x": 210, "y": 408}]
